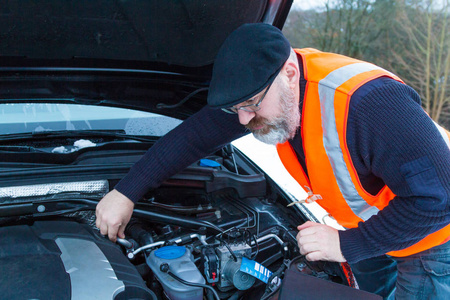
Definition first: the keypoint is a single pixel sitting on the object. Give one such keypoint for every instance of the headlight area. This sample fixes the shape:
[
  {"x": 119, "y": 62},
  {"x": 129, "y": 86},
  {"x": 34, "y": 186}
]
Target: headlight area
[{"x": 206, "y": 233}]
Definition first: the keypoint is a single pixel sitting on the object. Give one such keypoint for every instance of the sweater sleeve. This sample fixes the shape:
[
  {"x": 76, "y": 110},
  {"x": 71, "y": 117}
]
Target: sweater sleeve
[
  {"x": 394, "y": 142},
  {"x": 200, "y": 135}
]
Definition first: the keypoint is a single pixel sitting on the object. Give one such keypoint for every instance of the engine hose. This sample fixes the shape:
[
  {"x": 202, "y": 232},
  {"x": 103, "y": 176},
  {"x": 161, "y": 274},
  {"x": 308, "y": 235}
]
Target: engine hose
[
  {"x": 195, "y": 284},
  {"x": 277, "y": 273},
  {"x": 165, "y": 268},
  {"x": 159, "y": 217},
  {"x": 138, "y": 233},
  {"x": 184, "y": 221}
]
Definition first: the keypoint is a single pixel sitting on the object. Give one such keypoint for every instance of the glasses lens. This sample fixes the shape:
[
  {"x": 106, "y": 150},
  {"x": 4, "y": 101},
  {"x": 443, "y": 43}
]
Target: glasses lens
[
  {"x": 249, "y": 108},
  {"x": 230, "y": 110}
]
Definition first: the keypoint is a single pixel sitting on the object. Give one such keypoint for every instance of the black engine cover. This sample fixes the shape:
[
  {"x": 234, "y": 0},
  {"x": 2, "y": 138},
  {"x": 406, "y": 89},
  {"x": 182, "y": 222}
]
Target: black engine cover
[{"x": 65, "y": 260}]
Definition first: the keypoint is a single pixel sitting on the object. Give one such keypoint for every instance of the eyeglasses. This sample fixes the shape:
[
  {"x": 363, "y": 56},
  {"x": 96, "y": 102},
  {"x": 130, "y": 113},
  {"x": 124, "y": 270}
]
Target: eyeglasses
[{"x": 252, "y": 107}]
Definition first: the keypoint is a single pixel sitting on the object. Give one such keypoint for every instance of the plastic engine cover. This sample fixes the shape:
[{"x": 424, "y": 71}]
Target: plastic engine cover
[{"x": 65, "y": 260}]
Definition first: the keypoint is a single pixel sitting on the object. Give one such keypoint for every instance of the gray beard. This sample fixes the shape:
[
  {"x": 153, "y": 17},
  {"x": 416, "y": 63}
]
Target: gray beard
[{"x": 283, "y": 127}]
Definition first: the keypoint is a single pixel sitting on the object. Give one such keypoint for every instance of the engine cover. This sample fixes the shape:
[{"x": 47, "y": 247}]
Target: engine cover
[{"x": 65, "y": 260}]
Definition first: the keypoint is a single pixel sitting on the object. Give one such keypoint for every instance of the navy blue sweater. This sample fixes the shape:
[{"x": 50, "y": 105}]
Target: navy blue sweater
[{"x": 391, "y": 141}]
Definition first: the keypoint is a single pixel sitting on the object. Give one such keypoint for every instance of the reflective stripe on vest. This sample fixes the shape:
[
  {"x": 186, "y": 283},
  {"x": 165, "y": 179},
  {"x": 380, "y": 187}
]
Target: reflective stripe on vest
[{"x": 327, "y": 90}]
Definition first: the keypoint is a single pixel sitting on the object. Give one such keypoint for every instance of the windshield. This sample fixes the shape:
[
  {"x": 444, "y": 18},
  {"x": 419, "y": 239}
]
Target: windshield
[{"x": 39, "y": 117}]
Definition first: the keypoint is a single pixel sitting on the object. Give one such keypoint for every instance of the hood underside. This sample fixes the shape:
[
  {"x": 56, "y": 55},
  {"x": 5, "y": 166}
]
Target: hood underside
[
  {"x": 184, "y": 33},
  {"x": 146, "y": 54}
]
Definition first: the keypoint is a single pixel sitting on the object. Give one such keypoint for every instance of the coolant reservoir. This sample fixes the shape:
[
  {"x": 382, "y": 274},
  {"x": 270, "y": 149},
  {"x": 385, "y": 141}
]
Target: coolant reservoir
[{"x": 180, "y": 261}]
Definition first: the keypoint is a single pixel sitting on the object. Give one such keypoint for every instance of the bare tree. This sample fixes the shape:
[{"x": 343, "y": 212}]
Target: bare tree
[
  {"x": 347, "y": 27},
  {"x": 418, "y": 48},
  {"x": 408, "y": 37}
]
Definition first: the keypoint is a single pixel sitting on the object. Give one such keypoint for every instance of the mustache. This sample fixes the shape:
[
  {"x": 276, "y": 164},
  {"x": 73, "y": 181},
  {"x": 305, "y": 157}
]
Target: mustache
[{"x": 257, "y": 122}]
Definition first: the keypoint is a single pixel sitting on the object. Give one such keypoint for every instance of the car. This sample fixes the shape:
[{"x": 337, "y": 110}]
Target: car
[{"x": 86, "y": 88}]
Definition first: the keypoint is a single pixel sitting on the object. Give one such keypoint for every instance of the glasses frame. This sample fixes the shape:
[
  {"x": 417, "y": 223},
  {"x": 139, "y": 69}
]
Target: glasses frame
[{"x": 254, "y": 107}]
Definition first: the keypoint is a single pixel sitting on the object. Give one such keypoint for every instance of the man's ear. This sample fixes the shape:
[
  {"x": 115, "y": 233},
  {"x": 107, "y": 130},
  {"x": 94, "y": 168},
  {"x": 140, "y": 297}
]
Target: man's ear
[{"x": 291, "y": 72}]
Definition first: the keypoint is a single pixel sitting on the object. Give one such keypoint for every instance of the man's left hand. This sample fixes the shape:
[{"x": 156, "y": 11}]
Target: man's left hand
[{"x": 319, "y": 242}]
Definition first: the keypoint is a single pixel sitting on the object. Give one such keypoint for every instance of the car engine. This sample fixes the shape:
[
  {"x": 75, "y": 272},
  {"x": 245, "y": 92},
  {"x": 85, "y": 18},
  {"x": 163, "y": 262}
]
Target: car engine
[{"x": 213, "y": 231}]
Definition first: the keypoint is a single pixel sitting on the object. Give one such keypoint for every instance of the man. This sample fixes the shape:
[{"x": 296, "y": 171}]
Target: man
[{"x": 350, "y": 131}]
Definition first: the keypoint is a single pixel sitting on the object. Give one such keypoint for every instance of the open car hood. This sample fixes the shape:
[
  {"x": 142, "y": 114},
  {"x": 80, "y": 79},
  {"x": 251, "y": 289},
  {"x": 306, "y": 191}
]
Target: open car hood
[
  {"x": 146, "y": 55},
  {"x": 185, "y": 33}
]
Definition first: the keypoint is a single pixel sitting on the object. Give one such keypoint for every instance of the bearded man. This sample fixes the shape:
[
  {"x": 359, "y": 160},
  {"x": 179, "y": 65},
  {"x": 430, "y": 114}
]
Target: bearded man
[{"x": 346, "y": 129}]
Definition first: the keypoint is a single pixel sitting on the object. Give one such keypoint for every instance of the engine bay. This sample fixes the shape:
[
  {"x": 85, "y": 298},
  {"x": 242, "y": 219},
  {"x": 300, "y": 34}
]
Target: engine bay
[{"x": 213, "y": 231}]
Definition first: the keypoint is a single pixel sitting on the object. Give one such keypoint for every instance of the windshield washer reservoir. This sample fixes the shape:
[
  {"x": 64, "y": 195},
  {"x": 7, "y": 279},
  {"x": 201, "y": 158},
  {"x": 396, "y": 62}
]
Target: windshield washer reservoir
[{"x": 180, "y": 261}]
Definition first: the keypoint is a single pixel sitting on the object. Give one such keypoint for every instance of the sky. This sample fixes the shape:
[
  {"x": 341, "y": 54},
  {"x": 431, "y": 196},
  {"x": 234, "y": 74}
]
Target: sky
[{"x": 307, "y": 4}]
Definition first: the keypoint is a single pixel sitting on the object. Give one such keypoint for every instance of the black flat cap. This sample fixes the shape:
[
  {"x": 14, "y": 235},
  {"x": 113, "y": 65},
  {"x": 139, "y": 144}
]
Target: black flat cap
[{"x": 248, "y": 61}]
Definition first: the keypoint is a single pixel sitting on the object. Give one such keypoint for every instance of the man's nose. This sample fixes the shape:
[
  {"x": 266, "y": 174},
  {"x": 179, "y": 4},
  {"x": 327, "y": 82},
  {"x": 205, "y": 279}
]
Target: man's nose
[{"x": 245, "y": 116}]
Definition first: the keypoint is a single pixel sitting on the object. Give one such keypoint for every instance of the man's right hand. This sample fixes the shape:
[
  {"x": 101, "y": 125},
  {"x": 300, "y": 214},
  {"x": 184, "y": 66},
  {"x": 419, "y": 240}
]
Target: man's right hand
[{"x": 113, "y": 214}]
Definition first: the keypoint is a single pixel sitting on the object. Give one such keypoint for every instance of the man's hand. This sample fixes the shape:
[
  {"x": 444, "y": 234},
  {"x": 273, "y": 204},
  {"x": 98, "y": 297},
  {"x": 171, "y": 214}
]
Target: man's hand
[
  {"x": 319, "y": 242},
  {"x": 113, "y": 214}
]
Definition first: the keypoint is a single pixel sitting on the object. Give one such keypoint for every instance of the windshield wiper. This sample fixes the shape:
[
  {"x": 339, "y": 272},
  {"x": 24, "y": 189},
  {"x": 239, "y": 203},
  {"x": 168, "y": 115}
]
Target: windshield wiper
[
  {"x": 76, "y": 133},
  {"x": 19, "y": 149}
]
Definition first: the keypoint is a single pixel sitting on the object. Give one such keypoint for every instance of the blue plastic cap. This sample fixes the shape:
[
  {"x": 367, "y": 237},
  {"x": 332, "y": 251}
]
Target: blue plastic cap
[
  {"x": 204, "y": 162},
  {"x": 170, "y": 252}
]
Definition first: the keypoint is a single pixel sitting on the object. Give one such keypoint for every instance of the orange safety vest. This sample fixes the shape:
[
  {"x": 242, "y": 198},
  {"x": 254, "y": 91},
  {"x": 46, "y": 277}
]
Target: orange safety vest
[{"x": 331, "y": 81}]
